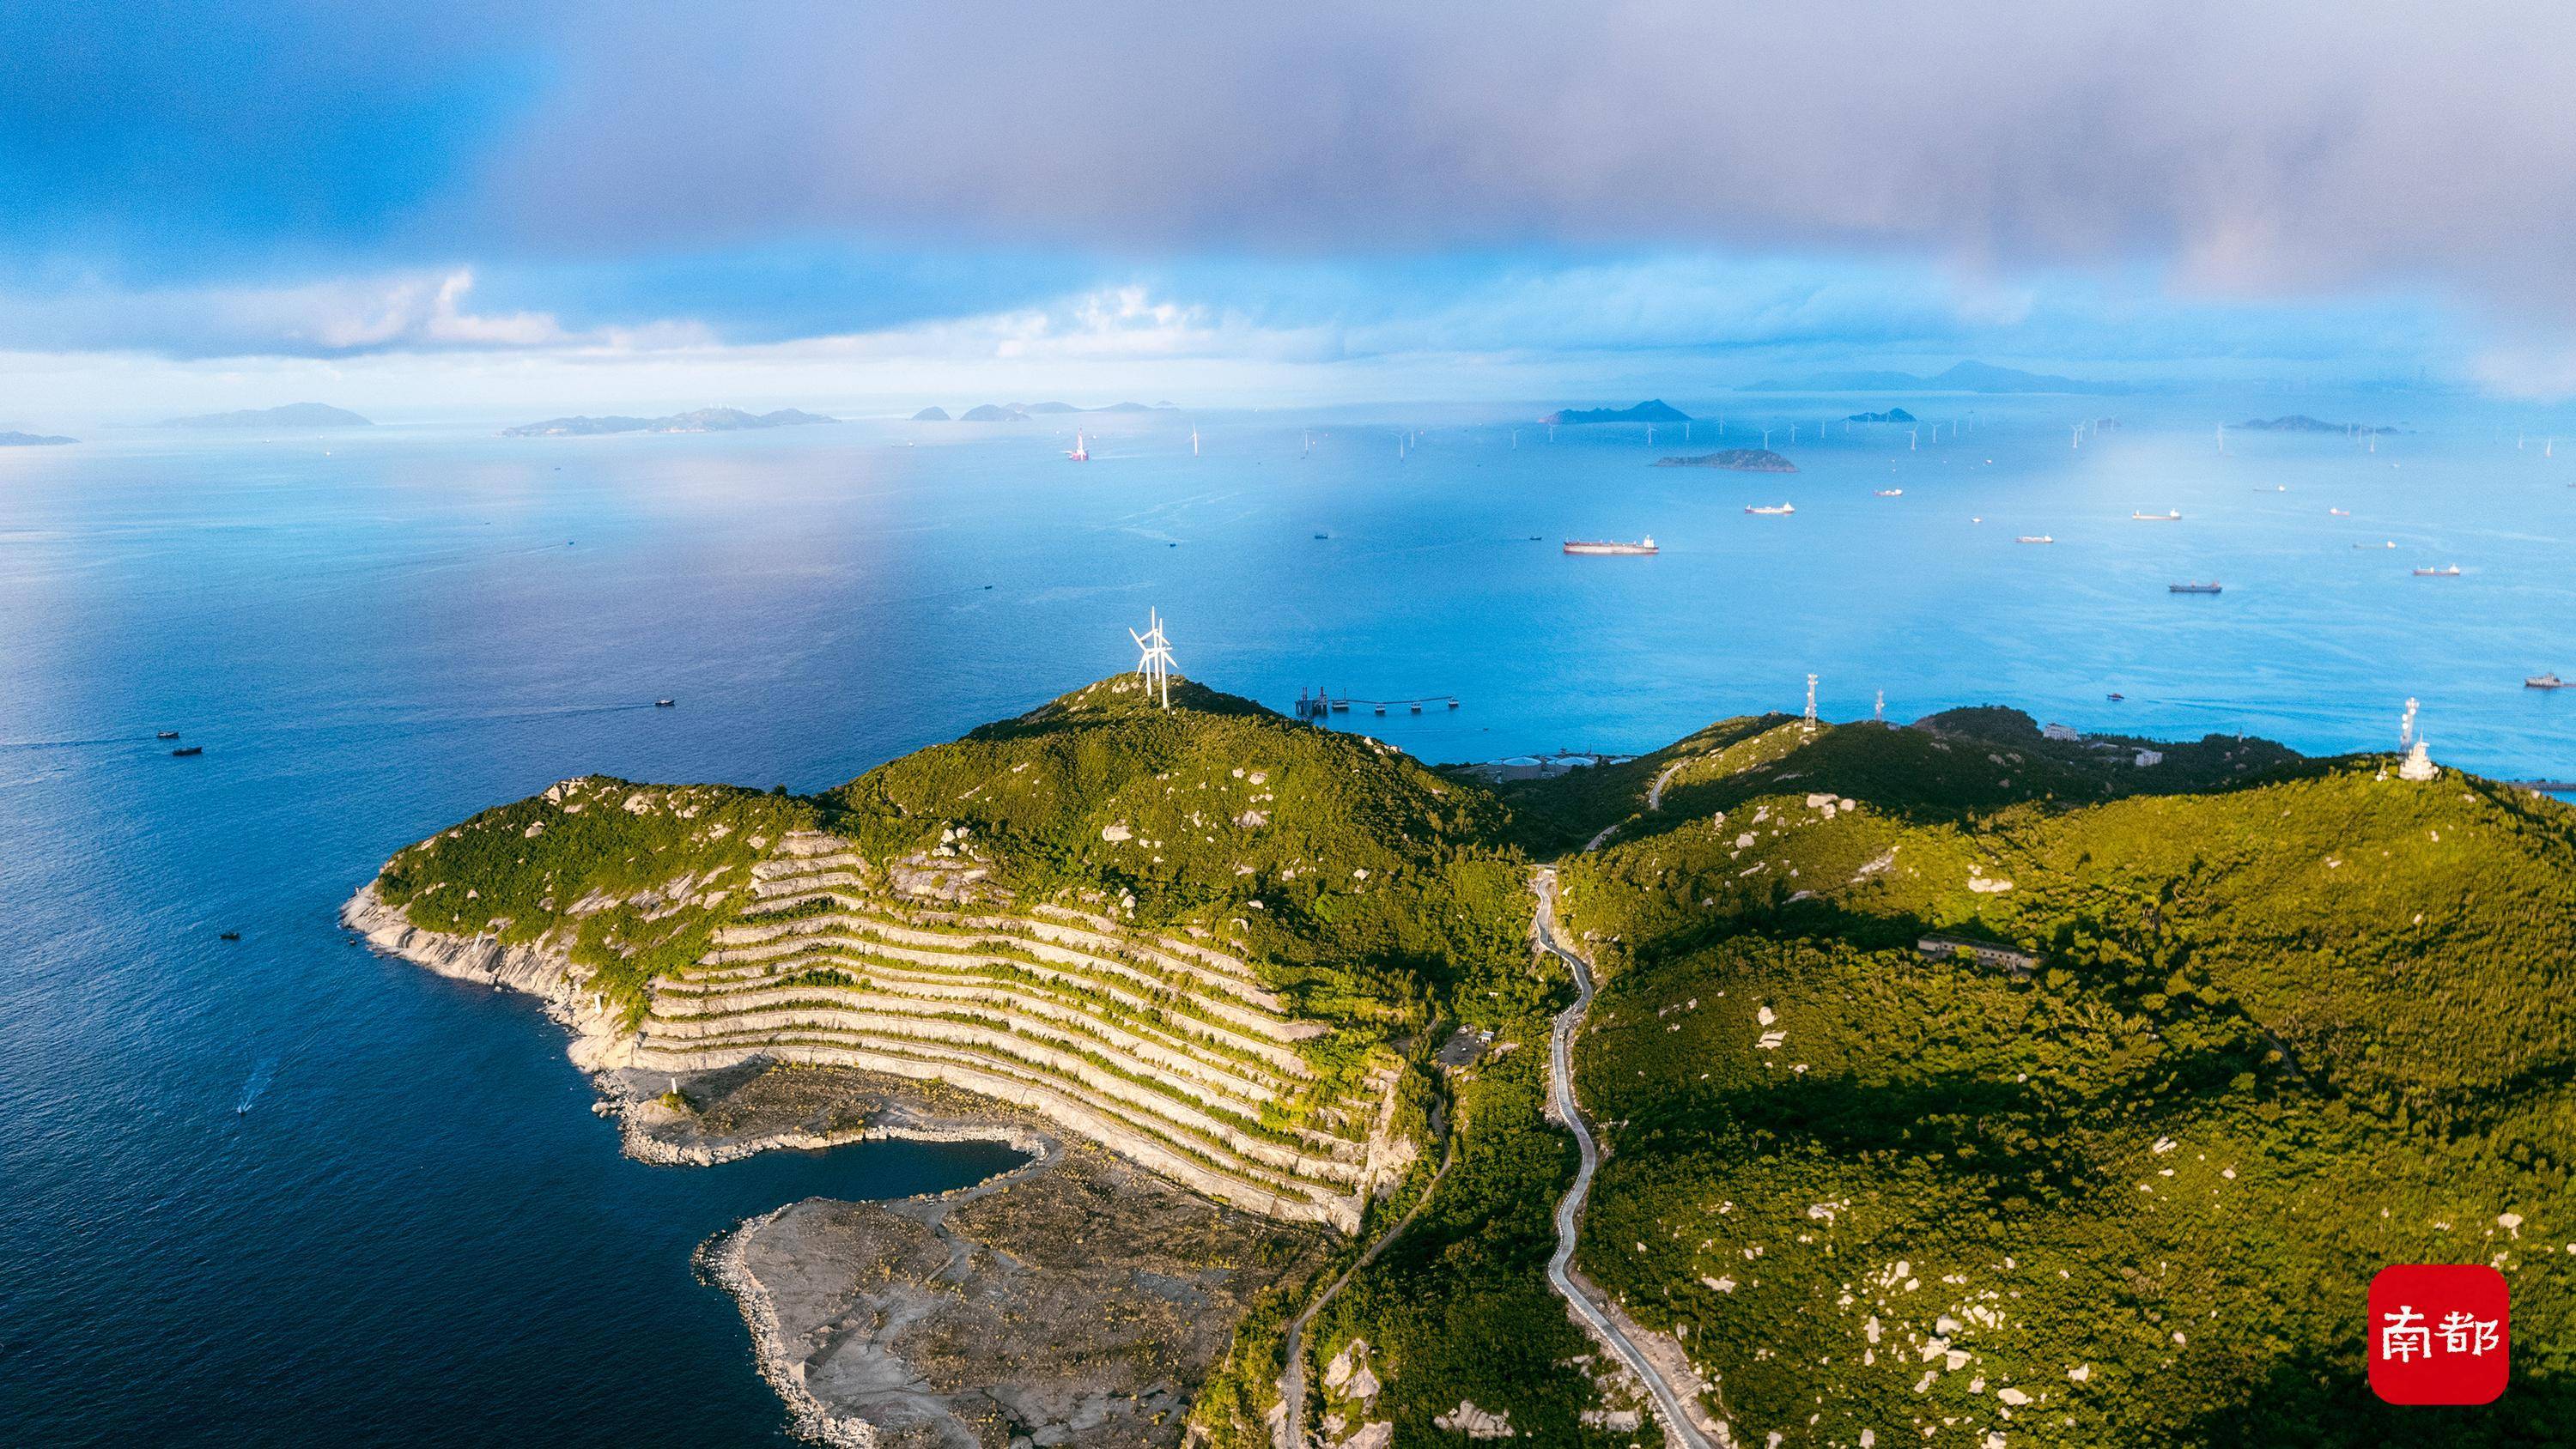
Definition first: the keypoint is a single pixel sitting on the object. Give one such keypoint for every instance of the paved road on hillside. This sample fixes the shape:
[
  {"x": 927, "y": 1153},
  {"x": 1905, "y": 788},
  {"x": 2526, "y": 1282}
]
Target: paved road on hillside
[{"x": 1678, "y": 1428}]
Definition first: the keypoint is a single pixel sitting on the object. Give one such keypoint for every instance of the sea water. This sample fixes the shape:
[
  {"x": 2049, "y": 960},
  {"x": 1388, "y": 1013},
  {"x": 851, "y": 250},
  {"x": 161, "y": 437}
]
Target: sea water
[{"x": 283, "y": 1191}]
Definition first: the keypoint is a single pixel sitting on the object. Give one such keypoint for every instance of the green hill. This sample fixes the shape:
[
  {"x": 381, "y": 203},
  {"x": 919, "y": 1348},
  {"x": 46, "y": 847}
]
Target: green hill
[
  {"x": 2268, "y": 1024},
  {"x": 2290, "y": 1021}
]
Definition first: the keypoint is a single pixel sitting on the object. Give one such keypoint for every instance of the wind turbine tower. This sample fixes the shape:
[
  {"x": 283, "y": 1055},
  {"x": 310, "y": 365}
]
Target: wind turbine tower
[{"x": 1156, "y": 662}]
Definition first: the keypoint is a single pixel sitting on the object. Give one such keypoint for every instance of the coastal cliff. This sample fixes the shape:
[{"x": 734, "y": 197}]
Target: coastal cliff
[
  {"x": 539, "y": 968},
  {"x": 1173, "y": 957}
]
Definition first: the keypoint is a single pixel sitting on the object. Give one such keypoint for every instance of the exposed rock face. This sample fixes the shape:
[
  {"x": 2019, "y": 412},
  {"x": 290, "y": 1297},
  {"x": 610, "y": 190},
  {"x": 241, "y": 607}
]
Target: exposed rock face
[
  {"x": 1078, "y": 1301},
  {"x": 539, "y": 969},
  {"x": 1474, "y": 1422},
  {"x": 1166, "y": 1051}
]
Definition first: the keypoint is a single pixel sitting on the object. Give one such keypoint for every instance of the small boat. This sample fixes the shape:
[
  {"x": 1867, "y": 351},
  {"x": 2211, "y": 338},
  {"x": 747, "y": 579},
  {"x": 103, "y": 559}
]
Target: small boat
[
  {"x": 1381, "y": 709},
  {"x": 1767, "y": 511},
  {"x": 2543, "y": 681},
  {"x": 1323, "y": 535},
  {"x": 1453, "y": 703},
  {"x": 1891, "y": 492},
  {"x": 229, "y": 936},
  {"x": 665, "y": 703},
  {"x": 1080, "y": 452},
  {"x": 2392, "y": 543},
  {"x": 1417, "y": 706},
  {"x": 2168, "y": 516},
  {"x": 2035, "y": 538},
  {"x": 186, "y": 750},
  {"x": 2116, "y": 696},
  {"x": 1341, "y": 706},
  {"x": 2208, "y": 588},
  {"x": 2451, "y": 572},
  {"x": 2340, "y": 512},
  {"x": 167, "y": 735}
]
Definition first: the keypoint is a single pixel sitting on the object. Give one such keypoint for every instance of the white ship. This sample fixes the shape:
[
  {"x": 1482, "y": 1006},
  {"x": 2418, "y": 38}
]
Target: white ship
[
  {"x": 1603, "y": 547},
  {"x": 2168, "y": 516},
  {"x": 1770, "y": 512}
]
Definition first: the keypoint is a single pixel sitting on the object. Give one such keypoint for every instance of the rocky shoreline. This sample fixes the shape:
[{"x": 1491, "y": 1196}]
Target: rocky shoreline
[{"x": 974, "y": 1319}]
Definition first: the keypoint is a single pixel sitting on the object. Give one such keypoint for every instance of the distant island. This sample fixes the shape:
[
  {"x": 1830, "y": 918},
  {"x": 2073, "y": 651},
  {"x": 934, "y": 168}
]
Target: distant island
[
  {"x": 33, "y": 440},
  {"x": 1892, "y": 415},
  {"x": 1022, "y": 412},
  {"x": 704, "y": 420},
  {"x": 1653, "y": 410},
  {"x": 293, "y": 415},
  {"x": 1962, "y": 377},
  {"x": 2302, "y": 423},
  {"x": 1741, "y": 460}
]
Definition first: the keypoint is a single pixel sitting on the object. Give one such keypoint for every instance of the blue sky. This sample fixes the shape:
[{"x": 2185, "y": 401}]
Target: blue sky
[{"x": 474, "y": 205}]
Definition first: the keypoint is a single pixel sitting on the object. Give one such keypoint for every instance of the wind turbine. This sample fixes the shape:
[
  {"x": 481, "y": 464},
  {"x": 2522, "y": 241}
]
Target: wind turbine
[{"x": 1156, "y": 663}]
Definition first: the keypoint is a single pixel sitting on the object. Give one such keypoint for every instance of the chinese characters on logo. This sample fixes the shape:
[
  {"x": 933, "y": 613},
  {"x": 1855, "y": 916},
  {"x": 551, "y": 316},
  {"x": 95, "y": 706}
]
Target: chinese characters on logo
[{"x": 2439, "y": 1334}]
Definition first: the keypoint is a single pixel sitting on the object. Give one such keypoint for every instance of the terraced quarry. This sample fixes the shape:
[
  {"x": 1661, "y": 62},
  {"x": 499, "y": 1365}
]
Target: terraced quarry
[{"x": 1167, "y": 1050}]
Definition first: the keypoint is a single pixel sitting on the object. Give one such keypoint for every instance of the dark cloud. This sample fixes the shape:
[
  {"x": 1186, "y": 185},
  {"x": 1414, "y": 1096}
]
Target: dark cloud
[
  {"x": 197, "y": 176},
  {"x": 2262, "y": 148}
]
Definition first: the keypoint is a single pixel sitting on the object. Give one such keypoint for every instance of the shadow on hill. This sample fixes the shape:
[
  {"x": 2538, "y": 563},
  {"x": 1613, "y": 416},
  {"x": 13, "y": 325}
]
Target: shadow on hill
[
  {"x": 1925, "y": 776},
  {"x": 1551, "y": 817},
  {"x": 2323, "y": 1401}
]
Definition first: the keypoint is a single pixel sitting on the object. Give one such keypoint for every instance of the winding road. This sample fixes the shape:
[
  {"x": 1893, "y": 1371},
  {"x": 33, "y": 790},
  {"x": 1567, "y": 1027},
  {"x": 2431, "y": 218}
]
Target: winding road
[{"x": 1668, "y": 1398}]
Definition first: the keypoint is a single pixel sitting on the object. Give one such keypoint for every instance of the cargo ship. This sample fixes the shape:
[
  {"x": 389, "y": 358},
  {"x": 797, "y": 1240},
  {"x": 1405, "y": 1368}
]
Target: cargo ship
[
  {"x": 1596, "y": 546},
  {"x": 2208, "y": 588},
  {"x": 2452, "y": 572},
  {"x": 1768, "y": 511},
  {"x": 1891, "y": 493},
  {"x": 2035, "y": 538},
  {"x": 2170, "y": 515},
  {"x": 2543, "y": 681}
]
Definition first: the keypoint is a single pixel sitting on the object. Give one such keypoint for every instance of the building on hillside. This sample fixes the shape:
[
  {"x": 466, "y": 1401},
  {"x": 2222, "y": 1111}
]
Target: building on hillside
[
  {"x": 2150, "y": 757},
  {"x": 2068, "y": 733},
  {"x": 1985, "y": 953}
]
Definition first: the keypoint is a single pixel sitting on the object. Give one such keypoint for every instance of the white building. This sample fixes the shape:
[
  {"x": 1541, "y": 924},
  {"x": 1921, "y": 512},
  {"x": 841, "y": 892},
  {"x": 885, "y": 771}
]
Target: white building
[
  {"x": 2067, "y": 733},
  {"x": 2150, "y": 757}
]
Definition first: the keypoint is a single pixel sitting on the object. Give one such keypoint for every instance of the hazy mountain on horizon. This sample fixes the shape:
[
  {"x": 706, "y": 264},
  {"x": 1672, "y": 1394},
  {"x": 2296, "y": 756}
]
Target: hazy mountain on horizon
[
  {"x": 292, "y": 415},
  {"x": 1021, "y": 412},
  {"x": 1652, "y": 410},
  {"x": 703, "y": 420},
  {"x": 1968, "y": 376},
  {"x": 33, "y": 440}
]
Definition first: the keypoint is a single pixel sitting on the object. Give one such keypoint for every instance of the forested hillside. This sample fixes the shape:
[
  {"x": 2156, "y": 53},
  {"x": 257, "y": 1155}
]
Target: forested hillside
[{"x": 2286, "y": 1024}]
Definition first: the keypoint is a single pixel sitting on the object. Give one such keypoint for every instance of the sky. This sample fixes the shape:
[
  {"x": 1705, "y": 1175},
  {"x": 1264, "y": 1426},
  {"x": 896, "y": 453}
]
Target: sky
[{"x": 453, "y": 209}]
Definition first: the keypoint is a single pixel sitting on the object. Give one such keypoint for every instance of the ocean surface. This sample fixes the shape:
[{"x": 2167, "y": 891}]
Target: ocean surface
[{"x": 419, "y": 1233}]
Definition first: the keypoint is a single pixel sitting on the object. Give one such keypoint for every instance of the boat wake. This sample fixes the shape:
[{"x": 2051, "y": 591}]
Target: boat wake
[{"x": 259, "y": 1079}]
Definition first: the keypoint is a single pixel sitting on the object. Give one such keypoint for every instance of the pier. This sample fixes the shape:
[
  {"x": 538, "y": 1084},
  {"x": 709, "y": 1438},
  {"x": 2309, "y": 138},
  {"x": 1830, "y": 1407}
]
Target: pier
[{"x": 1322, "y": 704}]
